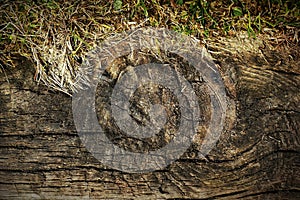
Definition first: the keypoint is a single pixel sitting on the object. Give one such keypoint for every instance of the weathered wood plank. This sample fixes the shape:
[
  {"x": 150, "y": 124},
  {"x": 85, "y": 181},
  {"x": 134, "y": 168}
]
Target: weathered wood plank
[{"x": 257, "y": 156}]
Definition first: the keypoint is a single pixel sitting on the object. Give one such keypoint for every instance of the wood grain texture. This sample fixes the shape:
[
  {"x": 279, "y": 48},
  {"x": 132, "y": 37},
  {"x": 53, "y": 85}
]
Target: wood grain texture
[{"x": 257, "y": 156}]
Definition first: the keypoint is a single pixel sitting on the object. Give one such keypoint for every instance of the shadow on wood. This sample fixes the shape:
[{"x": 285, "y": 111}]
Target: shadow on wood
[{"x": 257, "y": 156}]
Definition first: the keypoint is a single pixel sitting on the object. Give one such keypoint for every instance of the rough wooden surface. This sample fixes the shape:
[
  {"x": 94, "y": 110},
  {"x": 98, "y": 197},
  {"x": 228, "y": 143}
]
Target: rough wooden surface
[{"x": 257, "y": 157}]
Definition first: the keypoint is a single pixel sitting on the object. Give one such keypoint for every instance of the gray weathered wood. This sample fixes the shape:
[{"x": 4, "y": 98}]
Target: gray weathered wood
[{"x": 257, "y": 156}]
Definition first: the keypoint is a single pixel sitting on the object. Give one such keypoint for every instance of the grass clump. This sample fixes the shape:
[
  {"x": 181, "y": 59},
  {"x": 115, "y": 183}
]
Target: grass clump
[{"x": 56, "y": 35}]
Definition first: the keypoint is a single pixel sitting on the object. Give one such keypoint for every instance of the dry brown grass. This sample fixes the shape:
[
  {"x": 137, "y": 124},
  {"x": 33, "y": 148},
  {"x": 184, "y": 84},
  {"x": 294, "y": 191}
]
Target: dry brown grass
[{"x": 56, "y": 35}]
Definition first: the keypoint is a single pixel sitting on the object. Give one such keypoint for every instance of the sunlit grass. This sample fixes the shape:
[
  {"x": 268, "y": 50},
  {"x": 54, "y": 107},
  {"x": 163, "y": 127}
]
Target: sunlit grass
[{"x": 56, "y": 35}]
